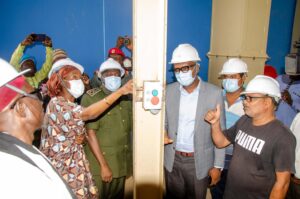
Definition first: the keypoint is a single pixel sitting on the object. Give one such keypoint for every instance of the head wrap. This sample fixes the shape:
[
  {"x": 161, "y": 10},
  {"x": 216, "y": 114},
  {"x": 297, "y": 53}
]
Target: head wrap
[
  {"x": 54, "y": 82},
  {"x": 58, "y": 54}
]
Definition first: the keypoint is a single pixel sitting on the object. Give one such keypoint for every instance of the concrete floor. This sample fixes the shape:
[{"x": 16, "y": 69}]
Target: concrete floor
[{"x": 129, "y": 189}]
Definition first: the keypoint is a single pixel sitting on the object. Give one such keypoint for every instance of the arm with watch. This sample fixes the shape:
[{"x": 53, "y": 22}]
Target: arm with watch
[{"x": 96, "y": 109}]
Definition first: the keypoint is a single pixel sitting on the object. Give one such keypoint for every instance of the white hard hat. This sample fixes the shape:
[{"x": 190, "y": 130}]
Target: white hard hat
[
  {"x": 234, "y": 66},
  {"x": 184, "y": 53},
  {"x": 64, "y": 62},
  {"x": 110, "y": 63},
  {"x": 127, "y": 63},
  {"x": 264, "y": 85},
  {"x": 8, "y": 72}
]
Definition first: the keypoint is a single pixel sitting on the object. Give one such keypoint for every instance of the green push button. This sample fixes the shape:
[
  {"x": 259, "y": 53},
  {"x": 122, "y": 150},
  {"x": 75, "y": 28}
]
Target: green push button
[{"x": 154, "y": 92}]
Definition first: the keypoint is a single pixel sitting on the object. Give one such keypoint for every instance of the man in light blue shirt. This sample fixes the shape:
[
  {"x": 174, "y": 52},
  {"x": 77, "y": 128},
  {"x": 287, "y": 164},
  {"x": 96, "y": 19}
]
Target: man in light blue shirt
[
  {"x": 191, "y": 160},
  {"x": 186, "y": 123}
]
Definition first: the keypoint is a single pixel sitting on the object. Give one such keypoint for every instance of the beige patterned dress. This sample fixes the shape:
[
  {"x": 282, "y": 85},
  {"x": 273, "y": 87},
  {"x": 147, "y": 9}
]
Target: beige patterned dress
[{"x": 61, "y": 126}]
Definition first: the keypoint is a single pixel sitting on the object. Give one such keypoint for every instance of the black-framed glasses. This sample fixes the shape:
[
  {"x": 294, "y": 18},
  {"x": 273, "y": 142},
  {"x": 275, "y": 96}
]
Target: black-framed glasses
[
  {"x": 184, "y": 69},
  {"x": 250, "y": 98}
]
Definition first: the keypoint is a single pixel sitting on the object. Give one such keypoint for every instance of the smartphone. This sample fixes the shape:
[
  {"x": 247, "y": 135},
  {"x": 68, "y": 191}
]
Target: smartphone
[
  {"x": 126, "y": 41},
  {"x": 39, "y": 37}
]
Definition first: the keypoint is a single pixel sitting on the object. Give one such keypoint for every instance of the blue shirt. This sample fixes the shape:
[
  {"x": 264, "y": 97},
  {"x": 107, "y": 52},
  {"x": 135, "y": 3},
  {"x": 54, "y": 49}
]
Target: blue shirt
[
  {"x": 186, "y": 120},
  {"x": 293, "y": 88},
  {"x": 232, "y": 114},
  {"x": 286, "y": 113}
]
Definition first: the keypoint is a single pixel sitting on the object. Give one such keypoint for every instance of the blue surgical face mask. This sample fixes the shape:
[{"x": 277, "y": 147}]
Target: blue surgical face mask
[
  {"x": 112, "y": 83},
  {"x": 185, "y": 79},
  {"x": 230, "y": 85}
]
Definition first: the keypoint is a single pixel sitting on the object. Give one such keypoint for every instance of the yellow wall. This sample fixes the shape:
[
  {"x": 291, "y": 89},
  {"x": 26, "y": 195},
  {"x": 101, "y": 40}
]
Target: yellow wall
[
  {"x": 239, "y": 29},
  {"x": 149, "y": 58},
  {"x": 296, "y": 27}
]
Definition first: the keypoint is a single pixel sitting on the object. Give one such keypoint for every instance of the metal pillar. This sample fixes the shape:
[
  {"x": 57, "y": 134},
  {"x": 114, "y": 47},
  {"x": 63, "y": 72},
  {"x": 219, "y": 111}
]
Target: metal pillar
[{"x": 149, "y": 59}]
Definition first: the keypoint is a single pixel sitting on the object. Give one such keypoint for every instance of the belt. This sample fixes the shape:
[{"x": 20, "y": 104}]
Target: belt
[{"x": 185, "y": 154}]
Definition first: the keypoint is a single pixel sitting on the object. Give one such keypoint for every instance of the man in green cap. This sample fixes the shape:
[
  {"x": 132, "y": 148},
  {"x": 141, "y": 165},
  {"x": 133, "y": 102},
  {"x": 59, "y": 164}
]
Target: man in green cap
[{"x": 110, "y": 159}]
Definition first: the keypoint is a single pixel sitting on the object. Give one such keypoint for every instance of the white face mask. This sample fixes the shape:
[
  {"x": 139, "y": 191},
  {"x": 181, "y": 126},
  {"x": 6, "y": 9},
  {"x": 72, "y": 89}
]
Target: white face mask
[
  {"x": 230, "y": 85},
  {"x": 76, "y": 88},
  {"x": 185, "y": 79},
  {"x": 112, "y": 83}
]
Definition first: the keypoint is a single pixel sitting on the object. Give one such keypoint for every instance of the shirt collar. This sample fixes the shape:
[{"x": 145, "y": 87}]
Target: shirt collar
[{"x": 224, "y": 95}]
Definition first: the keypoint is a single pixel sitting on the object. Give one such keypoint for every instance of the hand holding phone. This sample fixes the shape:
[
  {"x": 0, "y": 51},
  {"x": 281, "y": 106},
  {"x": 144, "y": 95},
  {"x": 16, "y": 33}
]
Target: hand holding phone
[
  {"x": 29, "y": 40},
  {"x": 39, "y": 37}
]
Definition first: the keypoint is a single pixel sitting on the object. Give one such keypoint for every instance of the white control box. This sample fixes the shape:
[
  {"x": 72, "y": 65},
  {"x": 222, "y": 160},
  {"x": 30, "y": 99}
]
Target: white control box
[
  {"x": 152, "y": 95},
  {"x": 292, "y": 65}
]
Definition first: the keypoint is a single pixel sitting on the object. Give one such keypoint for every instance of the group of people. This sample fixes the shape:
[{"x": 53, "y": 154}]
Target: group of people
[
  {"x": 85, "y": 143},
  {"x": 229, "y": 139}
]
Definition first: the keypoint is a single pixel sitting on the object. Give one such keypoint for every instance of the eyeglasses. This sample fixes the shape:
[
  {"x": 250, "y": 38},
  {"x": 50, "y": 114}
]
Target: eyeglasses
[
  {"x": 184, "y": 69},
  {"x": 250, "y": 98}
]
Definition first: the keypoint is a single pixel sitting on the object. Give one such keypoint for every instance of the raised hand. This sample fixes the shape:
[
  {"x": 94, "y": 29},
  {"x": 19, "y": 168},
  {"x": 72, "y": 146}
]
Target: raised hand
[
  {"x": 29, "y": 40},
  {"x": 47, "y": 42},
  {"x": 129, "y": 44},
  {"x": 213, "y": 116}
]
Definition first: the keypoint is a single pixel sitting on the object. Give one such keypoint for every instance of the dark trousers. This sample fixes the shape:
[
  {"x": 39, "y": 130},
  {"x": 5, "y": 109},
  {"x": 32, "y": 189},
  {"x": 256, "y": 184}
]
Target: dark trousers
[
  {"x": 217, "y": 191},
  {"x": 112, "y": 190},
  {"x": 294, "y": 190},
  {"x": 182, "y": 182}
]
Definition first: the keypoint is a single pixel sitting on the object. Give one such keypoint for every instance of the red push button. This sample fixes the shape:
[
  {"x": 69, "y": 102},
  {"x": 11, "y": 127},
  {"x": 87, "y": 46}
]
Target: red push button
[{"x": 154, "y": 100}]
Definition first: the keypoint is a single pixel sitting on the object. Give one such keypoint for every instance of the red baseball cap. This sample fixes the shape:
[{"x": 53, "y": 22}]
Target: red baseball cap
[
  {"x": 11, "y": 83},
  {"x": 116, "y": 51},
  {"x": 7, "y": 94},
  {"x": 270, "y": 71}
]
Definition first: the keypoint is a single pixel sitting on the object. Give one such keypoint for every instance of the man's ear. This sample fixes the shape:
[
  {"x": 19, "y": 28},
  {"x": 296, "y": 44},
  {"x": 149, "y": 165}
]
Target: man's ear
[
  {"x": 268, "y": 101},
  {"x": 20, "y": 108},
  {"x": 197, "y": 68},
  {"x": 244, "y": 78}
]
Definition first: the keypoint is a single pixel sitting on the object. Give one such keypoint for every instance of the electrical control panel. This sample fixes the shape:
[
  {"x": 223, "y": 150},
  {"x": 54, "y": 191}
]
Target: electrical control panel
[{"x": 152, "y": 95}]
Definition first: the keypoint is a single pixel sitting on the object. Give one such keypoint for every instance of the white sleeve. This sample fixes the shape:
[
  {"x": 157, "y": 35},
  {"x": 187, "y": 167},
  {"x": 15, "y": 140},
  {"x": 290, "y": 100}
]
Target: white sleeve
[
  {"x": 295, "y": 128},
  {"x": 20, "y": 179}
]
